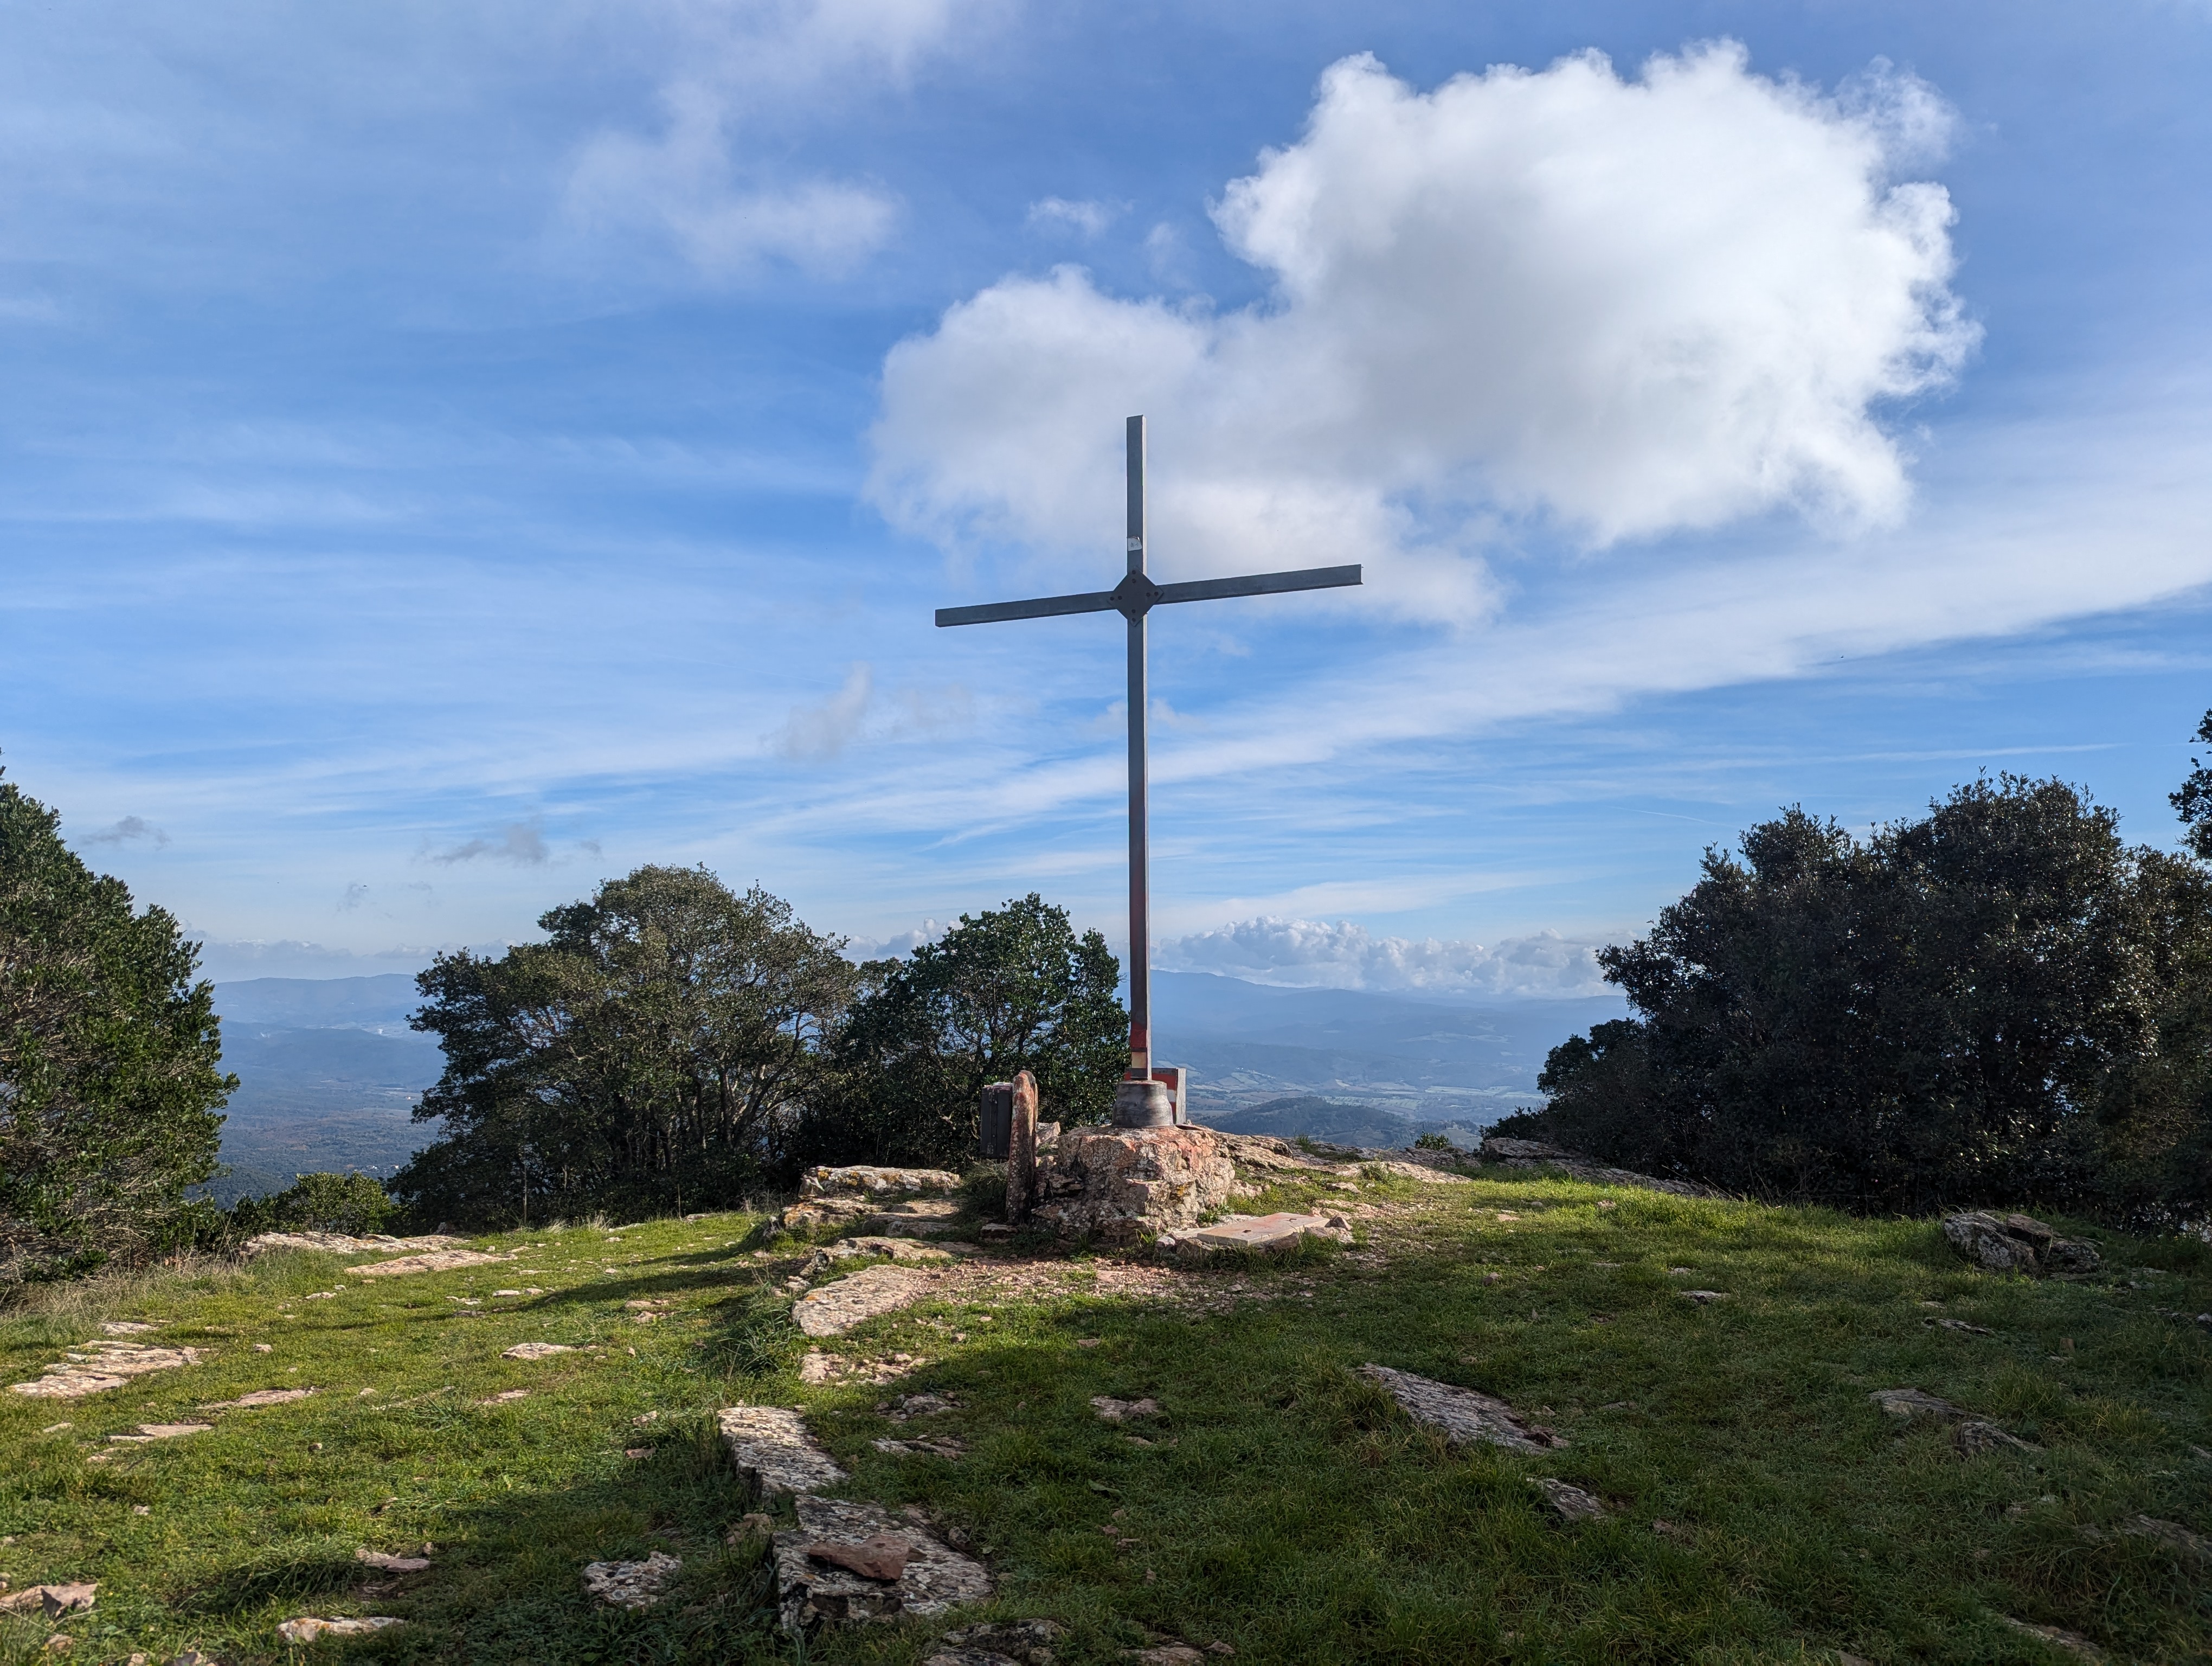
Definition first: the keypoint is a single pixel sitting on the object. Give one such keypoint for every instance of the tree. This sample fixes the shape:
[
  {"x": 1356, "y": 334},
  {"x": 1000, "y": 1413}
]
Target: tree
[
  {"x": 1010, "y": 989},
  {"x": 1963, "y": 1006},
  {"x": 652, "y": 1051},
  {"x": 354, "y": 1204},
  {"x": 2193, "y": 799},
  {"x": 111, "y": 1086}
]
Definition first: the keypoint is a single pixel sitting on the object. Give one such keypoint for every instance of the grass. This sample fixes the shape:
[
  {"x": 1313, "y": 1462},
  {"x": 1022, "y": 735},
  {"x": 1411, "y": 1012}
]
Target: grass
[{"x": 1281, "y": 1506}]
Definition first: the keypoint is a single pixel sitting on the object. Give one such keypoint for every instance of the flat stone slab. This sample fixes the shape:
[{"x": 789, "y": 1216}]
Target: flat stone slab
[
  {"x": 2016, "y": 1243},
  {"x": 770, "y": 1445},
  {"x": 52, "y": 1600},
  {"x": 338, "y": 1244},
  {"x": 1275, "y": 1231},
  {"x": 535, "y": 1350},
  {"x": 437, "y": 1261},
  {"x": 1907, "y": 1403},
  {"x": 98, "y": 1366},
  {"x": 308, "y": 1629},
  {"x": 631, "y": 1585},
  {"x": 835, "y": 1308},
  {"x": 900, "y": 1249},
  {"x": 1536, "y": 1154},
  {"x": 876, "y": 1182},
  {"x": 259, "y": 1397},
  {"x": 813, "y": 1592},
  {"x": 1459, "y": 1414},
  {"x": 149, "y": 1432},
  {"x": 1570, "y": 1501}
]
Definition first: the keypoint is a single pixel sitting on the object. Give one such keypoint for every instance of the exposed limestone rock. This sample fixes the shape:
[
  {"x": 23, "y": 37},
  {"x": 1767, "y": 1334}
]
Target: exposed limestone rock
[
  {"x": 1905, "y": 1404},
  {"x": 1397, "y": 1168},
  {"x": 920, "y": 1216},
  {"x": 52, "y": 1600},
  {"x": 2072, "y": 1642},
  {"x": 899, "y": 1249},
  {"x": 916, "y": 1405},
  {"x": 1118, "y": 1185},
  {"x": 153, "y": 1431},
  {"x": 1265, "y": 1151},
  {"x": 337, "y": 1244},
  {"x": 1537, "y": 1154},
  {"x": 1275, "y": 1231},
  {"x": 535, "y": 1350},
  {"x": 308, "y": 1628},
  {"x": 771, "y": 1446},
  {"x": 631, "y": 1585},
  {"x": 835, "y": 1308},
  {"x": 2016, "y": 1243},
  {"x": 838, "y": 1196},
  {"x": 1024, "y": 1642},
  {"x": 814, "y": 1592},
  {"x": 2173, "y": 1536},
  {"x": 125, "y": 1327},
  {"x": 436, "y": 1260},
  {"x": 1974, "y": 1437},
  {"x": 1461, "y": 1414},
  {"x": 259, "y": 1397},
  {"x": 99, "y": 1366},
  {"x": 1120, "y": 1411},
  {"x": 1570, "y": 1501},
  {"x": 943, "y": 1446},
  {"x": 379, "y": 1559}
]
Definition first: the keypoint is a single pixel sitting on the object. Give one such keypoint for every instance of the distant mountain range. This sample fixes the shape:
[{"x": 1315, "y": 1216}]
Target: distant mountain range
[
  {"x": 328, "y": 1076},
  {"x": 1427, "y": 1061},
  {"x": 329, "y": 1073}
]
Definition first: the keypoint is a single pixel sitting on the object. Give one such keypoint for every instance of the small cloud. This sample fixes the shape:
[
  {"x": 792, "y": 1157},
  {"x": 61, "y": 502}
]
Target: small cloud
[
  {"x": 592, "y": 845},
  {"x": 355, "y": 895},
  {"x": 522, "y": 843},
  {"x": 896, "y": 946},
  {"x": 823, "y": 730},
  {"x": 129, "y": 830},
  {"x": 1058, "y": 216}
]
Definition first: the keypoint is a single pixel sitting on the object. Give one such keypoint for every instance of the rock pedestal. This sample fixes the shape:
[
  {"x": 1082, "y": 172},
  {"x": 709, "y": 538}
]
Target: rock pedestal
[{"x": 1118, "y": 1185}]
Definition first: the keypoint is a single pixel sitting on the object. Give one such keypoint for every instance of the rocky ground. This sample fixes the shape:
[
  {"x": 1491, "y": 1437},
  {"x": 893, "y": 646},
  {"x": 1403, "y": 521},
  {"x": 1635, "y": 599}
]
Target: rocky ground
[{"x": 1506, "y": 1414}]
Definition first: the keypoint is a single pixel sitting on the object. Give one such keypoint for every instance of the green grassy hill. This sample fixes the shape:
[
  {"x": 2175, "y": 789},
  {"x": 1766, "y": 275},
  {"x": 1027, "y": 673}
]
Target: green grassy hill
[{"x": 1761, "y": 1507}]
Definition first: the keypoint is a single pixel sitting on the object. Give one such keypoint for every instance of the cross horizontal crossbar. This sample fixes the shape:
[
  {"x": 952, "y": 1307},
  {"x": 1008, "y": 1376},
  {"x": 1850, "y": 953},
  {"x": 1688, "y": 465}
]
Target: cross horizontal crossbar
[{"x": 1136, "y": 603}]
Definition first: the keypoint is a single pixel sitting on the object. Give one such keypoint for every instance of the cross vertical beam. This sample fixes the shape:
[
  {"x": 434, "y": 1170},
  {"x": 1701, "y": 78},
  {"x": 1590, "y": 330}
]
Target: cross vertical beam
[
  {"x": 1141, "y": 1102},
  {"x": 1140, "y": 855}
]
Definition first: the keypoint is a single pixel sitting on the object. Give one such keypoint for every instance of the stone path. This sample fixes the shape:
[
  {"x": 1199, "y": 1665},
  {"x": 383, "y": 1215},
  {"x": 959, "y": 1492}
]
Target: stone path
[
  {"x": 631, "y": 1585},
  {"x": 259, "y": 1397},
  {"x": 1460, "y": 1415},
  {"x": 338, "y": 1244},
  {"x": 436, "y": 1260},
  {"x": 771, "y": 1446},
  {"x": 835, "y": 1308},
  {"x": 814, "y": 1590},
  {"x": 103, "y": 1366}
]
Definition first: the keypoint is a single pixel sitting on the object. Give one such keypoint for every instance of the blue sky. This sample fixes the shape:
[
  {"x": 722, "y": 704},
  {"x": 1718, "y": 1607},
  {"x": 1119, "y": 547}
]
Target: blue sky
[{"x": 450, "y": 455}]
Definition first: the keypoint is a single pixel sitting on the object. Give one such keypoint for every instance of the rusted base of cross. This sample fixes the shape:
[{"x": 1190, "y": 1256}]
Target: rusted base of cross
[{"x": 1154, "y": 1100}]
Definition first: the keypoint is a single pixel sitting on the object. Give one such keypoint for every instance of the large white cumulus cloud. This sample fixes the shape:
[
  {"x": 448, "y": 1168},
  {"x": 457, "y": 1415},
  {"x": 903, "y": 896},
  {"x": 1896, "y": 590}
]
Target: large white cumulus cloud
[
  {"x": 1308, "y": 953},
  {"x": 1630, "y": 306}
]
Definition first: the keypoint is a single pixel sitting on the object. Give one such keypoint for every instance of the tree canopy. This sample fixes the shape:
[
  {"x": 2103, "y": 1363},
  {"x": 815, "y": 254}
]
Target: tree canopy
[
  {"x": 1998, "y": 1000},
  {"x": 1010, "y": 989},
  {"x": 111, "y": 1084},
  {"x": 653, "y": 1051}
]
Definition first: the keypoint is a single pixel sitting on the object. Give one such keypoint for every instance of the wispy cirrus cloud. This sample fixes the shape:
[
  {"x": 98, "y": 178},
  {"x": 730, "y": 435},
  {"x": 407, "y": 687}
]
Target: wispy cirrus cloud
[{"x": 708, "y": 181}]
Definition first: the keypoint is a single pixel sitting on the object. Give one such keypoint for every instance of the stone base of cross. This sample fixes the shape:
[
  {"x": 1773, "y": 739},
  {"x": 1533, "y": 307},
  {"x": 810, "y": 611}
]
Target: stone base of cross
[{"x": 1147, "y": 1095}]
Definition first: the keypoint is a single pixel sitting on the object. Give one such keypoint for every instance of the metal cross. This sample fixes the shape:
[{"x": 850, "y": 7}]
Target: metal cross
[{"x": 1138, "y": 1104}]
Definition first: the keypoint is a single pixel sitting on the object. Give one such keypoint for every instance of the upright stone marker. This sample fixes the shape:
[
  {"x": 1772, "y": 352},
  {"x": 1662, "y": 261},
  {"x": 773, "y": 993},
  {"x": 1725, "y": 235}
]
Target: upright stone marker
[
  {"x": 1141, "y": 1100},
  {"x": 1021, "y": 1150}
]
